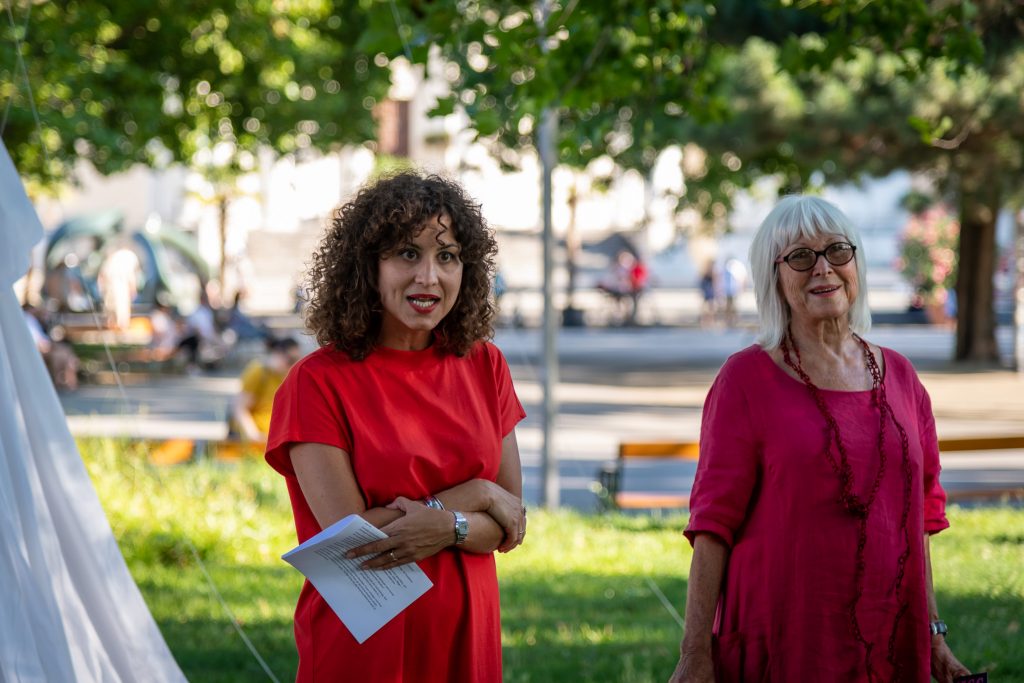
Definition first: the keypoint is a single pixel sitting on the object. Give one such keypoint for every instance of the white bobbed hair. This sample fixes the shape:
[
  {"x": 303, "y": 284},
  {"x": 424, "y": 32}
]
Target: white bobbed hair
[{"x": 793, "y": 218}]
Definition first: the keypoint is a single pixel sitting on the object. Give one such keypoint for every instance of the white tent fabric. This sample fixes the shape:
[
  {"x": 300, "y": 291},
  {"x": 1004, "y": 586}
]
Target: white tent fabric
[{"x": 69, "y": 609}]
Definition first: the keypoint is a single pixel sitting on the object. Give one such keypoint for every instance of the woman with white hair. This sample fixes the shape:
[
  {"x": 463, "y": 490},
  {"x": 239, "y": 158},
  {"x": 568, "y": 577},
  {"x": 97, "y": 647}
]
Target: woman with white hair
[{"x": 818, "y": 483}]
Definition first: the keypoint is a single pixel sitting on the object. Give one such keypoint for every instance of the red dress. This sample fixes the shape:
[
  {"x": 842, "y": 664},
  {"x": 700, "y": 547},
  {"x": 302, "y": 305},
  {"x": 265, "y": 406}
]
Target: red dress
[
  {"x": 414, "y": 423},
  {"x": 764, "y": 487}
]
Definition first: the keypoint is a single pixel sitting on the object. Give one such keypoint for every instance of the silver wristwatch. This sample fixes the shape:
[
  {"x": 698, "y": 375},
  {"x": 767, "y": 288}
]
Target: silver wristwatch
[
  {"x": 938, "y": 628},
  {"x": 461, "y": 528}
]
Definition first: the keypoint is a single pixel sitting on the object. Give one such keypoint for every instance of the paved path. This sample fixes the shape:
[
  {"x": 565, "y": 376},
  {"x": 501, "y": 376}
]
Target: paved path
[
  {"x": 616, "y": 384},
  {"x": 619, "y": 385}
]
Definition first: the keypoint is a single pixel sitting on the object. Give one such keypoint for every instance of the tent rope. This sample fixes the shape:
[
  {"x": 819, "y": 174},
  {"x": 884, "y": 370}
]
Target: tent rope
[{"x": 110, "y": 357}]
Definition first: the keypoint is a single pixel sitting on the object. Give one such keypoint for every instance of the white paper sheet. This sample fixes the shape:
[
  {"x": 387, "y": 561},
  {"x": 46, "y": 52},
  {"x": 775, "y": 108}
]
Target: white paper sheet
[{"x": 364, "y": 599}]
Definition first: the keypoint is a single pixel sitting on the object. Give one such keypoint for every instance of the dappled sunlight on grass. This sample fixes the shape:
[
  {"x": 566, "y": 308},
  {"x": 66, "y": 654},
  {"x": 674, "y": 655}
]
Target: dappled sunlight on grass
[{"x": 576, "y": 602}]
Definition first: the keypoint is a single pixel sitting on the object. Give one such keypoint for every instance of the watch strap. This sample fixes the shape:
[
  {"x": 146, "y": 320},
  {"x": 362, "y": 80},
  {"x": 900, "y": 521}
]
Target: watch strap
[
  {"x": 461, "y": 528},
  {"x": 938, "y": 628}
]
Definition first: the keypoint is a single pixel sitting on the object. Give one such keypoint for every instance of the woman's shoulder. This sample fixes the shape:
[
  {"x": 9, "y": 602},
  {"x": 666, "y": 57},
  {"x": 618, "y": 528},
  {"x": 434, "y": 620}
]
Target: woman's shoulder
[
  {"x": 324, "y": 361},
  {"x": 752, "y": 359},
  {"x": 745, "y": 372},
  {"x": 485, "y": 351},
  {"x": 485, "y": 359},
  {"x": 898, "y": 367}
]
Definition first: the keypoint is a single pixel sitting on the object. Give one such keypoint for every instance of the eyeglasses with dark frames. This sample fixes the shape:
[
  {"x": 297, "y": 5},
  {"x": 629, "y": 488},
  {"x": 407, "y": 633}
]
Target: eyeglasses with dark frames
[{"x": 803, "y": 258}]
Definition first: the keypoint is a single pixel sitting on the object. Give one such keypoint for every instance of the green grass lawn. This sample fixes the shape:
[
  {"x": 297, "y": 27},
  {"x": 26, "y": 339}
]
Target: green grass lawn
[{"x": 577, "y": 598}]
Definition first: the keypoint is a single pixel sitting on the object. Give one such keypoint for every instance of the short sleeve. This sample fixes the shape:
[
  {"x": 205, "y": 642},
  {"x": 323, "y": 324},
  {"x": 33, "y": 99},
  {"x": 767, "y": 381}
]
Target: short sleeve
[
  {"x": 727, "y": 468},
  {"x": 934, "y": 495},
  {"x": 252, "y": 377},
  {"x": 306, "y": 410},
  {"x": 510, "y": 409}
]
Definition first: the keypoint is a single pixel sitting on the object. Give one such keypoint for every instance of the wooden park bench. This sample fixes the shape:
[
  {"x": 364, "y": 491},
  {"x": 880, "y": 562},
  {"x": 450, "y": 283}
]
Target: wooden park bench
[
  {"x": 610, "y": 493},
  {"x": 609, "y": 478},
  {"x": 983, "y": 443}
]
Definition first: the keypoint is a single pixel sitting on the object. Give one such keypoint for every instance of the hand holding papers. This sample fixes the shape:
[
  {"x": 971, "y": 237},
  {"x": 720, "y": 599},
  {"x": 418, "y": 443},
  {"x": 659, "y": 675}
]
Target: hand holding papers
[{"x": 364, "y": 600}]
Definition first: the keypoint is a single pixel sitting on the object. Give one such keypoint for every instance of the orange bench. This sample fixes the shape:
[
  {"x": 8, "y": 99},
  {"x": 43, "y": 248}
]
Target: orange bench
[
  {"x": 178, "y": 451},
  {"x": 608, "y": 486},
  {"x": 983, "y": 443},
  {"x": 609, "y": 479}
]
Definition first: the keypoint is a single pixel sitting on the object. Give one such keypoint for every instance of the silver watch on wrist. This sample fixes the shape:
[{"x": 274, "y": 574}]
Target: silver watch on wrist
[
  {"x": 938, "y": 628},
  {"x": 461, "y": 528}
]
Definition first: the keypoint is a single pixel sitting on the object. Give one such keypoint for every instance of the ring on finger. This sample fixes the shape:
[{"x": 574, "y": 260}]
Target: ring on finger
[{"x": 391, "y": 554}]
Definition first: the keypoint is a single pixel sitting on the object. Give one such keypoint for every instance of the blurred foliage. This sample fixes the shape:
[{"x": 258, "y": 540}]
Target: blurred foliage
[
  {"x": 121, "y": 82},
  {"x": 206, "y": 83},
  {"x": 629, "y": 79},
  {"x": 807, "y": 92},
  {"x": 955, "y": 119},
  {"x": 928, "y": 253}
]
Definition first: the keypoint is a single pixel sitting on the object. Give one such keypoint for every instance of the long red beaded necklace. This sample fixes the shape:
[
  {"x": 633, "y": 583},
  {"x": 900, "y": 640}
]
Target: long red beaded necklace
[{"x": 860, "y": 507}]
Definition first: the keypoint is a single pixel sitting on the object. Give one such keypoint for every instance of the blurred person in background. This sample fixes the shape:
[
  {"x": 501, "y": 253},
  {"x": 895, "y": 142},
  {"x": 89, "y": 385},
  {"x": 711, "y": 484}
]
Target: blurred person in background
[
  {"x": 817, "y": 487},
  {"x": 241, "y": 325},
  {"x": 165, "y": 327},
  {"x": 709, "y": 295},
  {"x": 406, "y": 416},
  {"x": 625, "y": 282},
  {"x": 639, "y": 280},
  {"x": 734, "y": 280},
  {"x": 61, "y": 360},
  {"x": 252, "y": 407},
  {"x": 118, "y": 283},
  {"x": 201, "y": 340}
]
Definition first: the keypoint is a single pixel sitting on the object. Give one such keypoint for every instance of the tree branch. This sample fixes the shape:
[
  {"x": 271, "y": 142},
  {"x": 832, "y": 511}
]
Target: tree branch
[
  {"x": 588, "y": 63},
  {"x": 958, "y": 140}
]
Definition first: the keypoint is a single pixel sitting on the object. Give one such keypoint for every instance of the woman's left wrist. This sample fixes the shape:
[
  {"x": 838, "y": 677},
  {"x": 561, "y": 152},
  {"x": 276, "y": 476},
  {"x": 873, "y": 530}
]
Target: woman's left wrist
[{"x": 461, "y": 528}]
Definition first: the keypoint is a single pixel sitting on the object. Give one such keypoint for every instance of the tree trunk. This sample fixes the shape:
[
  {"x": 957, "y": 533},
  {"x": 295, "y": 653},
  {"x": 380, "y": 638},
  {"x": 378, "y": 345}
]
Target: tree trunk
[
  {"x": 976, "y": 324},
  {"x": 572, "y": 249},
  {"x": 1018, "y": 291},
  {"x": 572, "y": 316},
  {"x": 222, "y": 218}
]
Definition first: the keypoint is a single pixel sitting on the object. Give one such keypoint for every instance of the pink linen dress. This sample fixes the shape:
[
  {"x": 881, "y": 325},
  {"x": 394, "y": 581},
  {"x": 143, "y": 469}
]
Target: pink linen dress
[{"x": 765, "y": 488}]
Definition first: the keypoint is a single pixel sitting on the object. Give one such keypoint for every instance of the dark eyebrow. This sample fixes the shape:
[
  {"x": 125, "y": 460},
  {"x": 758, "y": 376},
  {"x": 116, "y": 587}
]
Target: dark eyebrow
[{"x": 449, "y": 245}]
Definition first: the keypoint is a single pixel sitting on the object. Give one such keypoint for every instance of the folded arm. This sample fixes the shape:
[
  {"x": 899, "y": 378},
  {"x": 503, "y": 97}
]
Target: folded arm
[{"x": 414, "y": 531}]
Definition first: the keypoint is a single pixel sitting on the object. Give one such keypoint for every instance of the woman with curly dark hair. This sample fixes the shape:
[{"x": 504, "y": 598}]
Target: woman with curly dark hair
[{"x": 406, "y": 416}]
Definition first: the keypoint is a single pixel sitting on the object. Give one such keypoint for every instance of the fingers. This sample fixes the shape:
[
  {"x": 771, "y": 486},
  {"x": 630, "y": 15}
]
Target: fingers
[
  {"x": 387, "y": 560},
  {"x": 375, "y": 548},
  {"x": 384, "y": 554},
  {"x": 514, "y": 534},
  {"x": 402, "y": 503}
]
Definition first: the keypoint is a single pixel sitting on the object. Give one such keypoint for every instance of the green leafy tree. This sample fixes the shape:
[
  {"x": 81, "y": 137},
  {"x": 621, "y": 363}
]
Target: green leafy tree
[
  {"x": 629, "y": 79},
  {"x": 119, "y": 83},
  {"x": 625, "y": 78},
  {"x": 207, "y": 84},
  {"x": 956, "y": 121}
]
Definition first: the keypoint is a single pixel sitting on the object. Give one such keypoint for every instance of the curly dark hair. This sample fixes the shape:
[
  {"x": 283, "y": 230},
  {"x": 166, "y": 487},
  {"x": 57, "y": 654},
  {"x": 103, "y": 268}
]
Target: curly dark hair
[{"x": 344, "y": 308}]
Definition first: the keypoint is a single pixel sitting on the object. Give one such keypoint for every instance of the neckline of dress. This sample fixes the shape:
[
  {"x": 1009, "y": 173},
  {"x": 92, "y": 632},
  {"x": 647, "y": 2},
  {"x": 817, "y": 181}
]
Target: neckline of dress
[
  {"x": 853, "y": 392},
  {"x": 411, "y": 359}
]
